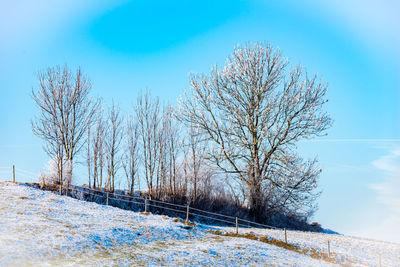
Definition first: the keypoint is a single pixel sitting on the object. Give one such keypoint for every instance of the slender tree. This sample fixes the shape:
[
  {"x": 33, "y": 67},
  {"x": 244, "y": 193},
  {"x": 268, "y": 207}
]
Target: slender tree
[
  {"x": 113, "y": 145},
  {"x": 131, "y": 157},
  {"x": 89, "y": 158},
  {"x": 174, "y": 147},
  {"x": 95, "y": 151},
  {"x": 197, "y": 153},
  {"x": 149, "y": 119}
]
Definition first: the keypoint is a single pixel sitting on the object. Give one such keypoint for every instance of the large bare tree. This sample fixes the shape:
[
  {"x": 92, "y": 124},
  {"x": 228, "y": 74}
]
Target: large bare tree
[
  {"x": 254, "y": 111},
  {"x": 65, "y": 110}
]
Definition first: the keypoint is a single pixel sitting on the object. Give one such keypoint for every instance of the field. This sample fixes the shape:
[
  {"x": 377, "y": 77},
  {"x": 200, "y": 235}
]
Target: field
[{"x": 40, "y": 228}]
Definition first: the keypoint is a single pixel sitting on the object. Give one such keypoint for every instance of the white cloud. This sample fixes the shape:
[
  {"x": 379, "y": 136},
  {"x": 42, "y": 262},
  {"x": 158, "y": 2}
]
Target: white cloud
[
  {"x": 388, "y": 191},
  {"x": 389, "y": 188}
]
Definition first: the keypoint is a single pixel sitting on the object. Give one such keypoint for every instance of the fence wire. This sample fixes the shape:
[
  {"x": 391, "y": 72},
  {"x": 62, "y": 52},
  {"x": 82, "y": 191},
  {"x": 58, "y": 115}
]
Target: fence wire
[
  {"x": 26, "y": 172},
  {"x": 193, "y": 212}
]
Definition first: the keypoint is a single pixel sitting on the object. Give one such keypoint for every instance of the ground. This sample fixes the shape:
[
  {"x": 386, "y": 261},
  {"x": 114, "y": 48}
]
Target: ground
[{"x": 40, "y": 228}]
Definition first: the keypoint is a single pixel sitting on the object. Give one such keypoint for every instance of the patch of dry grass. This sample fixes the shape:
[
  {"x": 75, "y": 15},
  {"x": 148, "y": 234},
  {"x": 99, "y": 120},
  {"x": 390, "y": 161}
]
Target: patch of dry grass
[
  {"x": 188, "y": 223},
  {"x": 312, "y": 252}
]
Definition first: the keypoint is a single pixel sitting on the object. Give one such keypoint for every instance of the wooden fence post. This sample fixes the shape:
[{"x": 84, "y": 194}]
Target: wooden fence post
[
  {"x": 13, "y": 173},
  {"x": 187, "y": 214},
  {"x": 237, "y": 226},
  {"x": 145, "y": 205},
  {"x": 107, "y": 198},
  {"x": 285, "y": 236},
  {"x": 329, "y": 250}
]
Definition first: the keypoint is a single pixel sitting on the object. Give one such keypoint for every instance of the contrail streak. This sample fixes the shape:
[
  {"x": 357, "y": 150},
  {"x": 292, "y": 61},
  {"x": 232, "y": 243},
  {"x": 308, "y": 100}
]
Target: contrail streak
[{"x": 366, "y": 140}]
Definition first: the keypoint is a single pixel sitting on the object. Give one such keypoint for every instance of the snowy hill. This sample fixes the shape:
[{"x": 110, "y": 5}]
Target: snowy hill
[{"x": 40, "y": 228}]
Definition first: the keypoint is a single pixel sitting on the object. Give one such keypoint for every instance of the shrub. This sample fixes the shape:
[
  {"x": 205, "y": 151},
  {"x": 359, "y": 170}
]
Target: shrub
[{"x": 50, "y": 176}]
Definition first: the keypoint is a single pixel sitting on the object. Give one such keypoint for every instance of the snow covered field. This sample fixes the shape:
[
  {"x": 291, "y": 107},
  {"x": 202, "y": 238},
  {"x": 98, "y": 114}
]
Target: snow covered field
[{"x": 41, "y": 228}]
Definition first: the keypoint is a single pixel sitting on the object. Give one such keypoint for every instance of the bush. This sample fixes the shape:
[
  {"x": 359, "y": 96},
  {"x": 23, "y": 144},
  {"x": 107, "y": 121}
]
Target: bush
[{"x": 50, "y": 176}]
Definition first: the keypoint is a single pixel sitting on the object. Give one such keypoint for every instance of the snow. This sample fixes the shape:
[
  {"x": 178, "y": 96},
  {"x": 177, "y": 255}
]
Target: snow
[
  {"x": 40, "y": 228},
  {"x": 362, "y": 251}
]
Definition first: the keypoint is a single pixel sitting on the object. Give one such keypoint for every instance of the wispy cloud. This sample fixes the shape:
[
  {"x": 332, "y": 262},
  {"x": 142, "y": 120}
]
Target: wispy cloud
[
  {"x": 355, "y": 140},
  {"x": 389, "y": 188},
  {"x": 388, "y": 191}
]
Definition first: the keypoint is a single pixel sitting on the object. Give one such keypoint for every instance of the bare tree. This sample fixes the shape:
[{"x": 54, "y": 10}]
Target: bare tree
[
  {"x": 101, "y": 133},
  {"x": 168, "y": 152},
  {"x": 113, "y": 142},
  {"x": 89, "y": 157},
  {"x": 65, "y": 110},
  {"x": 95, "y": 151},
  {"x": 98, "y": 153},
  {"x": 149, "y": 119},
  {"x": 254, "y": 111},
  {"x": 185, "y": 170},
  {"x": 162, "y": 156},
  {"x": 196, "y": 153},
  {"x": 173, "y": 148},
  {"x": 131, "y": 157}
]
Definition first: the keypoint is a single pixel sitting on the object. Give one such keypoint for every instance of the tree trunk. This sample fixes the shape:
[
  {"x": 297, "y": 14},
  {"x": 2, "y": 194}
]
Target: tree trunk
[{"x": 256, "y": 203}]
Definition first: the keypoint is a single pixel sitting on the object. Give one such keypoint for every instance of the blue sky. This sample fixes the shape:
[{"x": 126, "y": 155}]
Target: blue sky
[{"x": 128, "y": 46}]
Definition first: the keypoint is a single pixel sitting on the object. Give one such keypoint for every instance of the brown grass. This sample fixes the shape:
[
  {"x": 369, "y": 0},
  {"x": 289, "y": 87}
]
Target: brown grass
[
  {"x": 188, "y": 223},
  {"x": 312, "y": 252}
]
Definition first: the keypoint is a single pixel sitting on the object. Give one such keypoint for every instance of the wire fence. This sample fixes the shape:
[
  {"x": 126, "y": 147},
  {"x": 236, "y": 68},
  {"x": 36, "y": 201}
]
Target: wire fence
[
  {"x": 144, "y": 203},
  {"x": 12, "y": 172},
  {"x": 138, "y": 203}
]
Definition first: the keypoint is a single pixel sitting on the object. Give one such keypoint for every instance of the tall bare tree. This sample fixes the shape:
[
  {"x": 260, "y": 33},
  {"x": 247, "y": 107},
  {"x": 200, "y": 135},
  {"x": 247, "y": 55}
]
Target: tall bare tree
[
  {"x": 197, "y": 153},
  {"x": 254, "y": 111},
  {"x": 161, "y": 175},
  {"x": 149, "y": 119},
  {"x": 101, "y": 147},
  {"x": 168, "y": 152},
  {"x": 95, "y": 147},
  {"x": 131, "y": 158},
  {"x": 173, "y": 147},
  {"x": 98, "y": 153},
  {"x": 113, "y": 138},
  {"x": 89, "y": 158},
  {"x": 65, "y": 110}
]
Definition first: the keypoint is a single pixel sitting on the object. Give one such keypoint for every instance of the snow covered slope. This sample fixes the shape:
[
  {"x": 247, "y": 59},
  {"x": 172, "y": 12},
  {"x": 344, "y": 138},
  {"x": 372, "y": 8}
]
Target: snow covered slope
[{"x": 40, "y": 228}]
